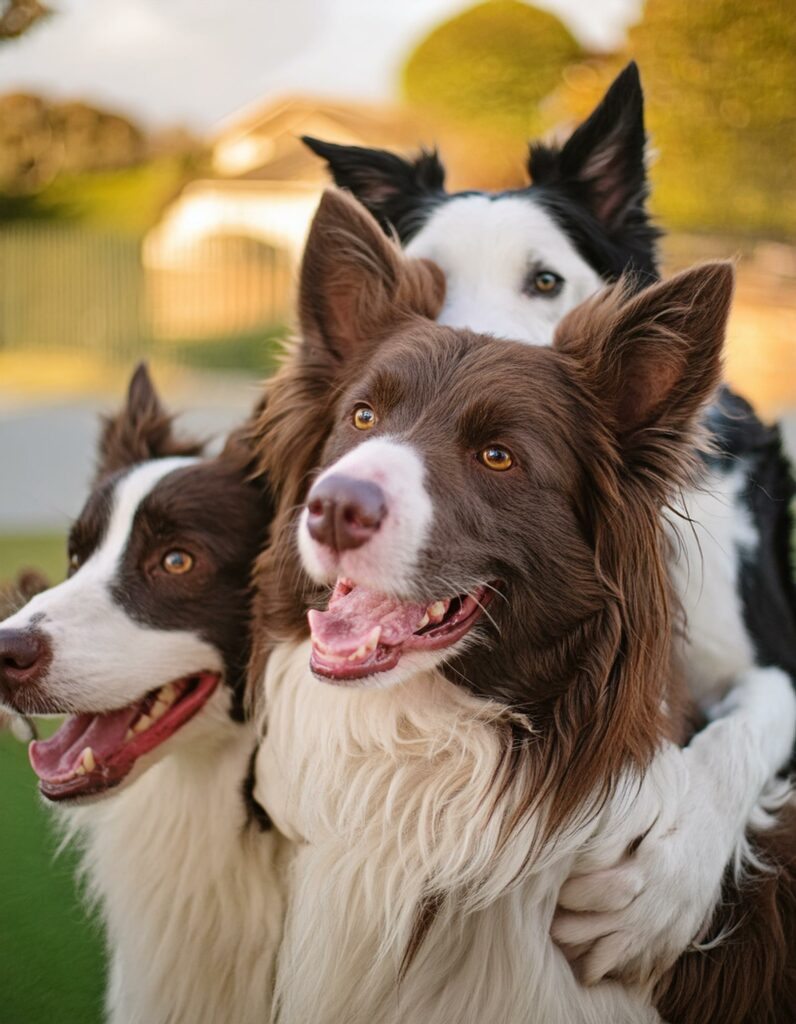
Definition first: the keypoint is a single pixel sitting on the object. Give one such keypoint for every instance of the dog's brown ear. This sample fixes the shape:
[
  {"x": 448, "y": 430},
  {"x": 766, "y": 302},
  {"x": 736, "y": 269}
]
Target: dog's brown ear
[
  {"x": 356, "y": 284},
  {"x": 142, "y": 430},
  {"x": 654, "y": 360}
]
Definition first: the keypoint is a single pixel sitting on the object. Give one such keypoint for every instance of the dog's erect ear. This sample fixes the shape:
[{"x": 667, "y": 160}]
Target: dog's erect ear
[
  {"x": 603, "y": 162},
  {"x": 655, "y": 359},
  {"x": 356, "y": 284},
  {"x": 142, "y": 430},
  {"x": 397, "y": 192}
]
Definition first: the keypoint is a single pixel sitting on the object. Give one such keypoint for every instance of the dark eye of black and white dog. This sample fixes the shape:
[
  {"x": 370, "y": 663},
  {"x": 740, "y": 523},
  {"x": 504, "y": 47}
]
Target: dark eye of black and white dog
[
  {"x": 424, "y": 524},
  {"x": 151, "y": 619}
]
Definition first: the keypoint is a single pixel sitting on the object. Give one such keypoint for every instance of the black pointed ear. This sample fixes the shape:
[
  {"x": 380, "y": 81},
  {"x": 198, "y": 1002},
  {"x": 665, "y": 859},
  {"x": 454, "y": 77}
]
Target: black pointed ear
[
  {"x": 142, "y": 430},
  {"x": 399, "y": 193},
  {"x": 356, "y": 284},
  {"x": 653, "y": 361},
  {"x": 603, "y": 163}
]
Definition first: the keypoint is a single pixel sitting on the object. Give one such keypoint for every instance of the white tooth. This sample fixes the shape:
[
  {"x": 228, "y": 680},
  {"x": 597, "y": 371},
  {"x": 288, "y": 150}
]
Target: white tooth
[
  {"x": 142, "y": 724},
  {"x": 168, "y": 694},
  {"x": 158, "y": 709},
  {"x": 80, "y": 770},
  {"x": 358, "y": 654},
  {"x": 423, "y": 622},
  {"x": 373, "y": 639},
  {"x": 437, "y": 610},
  {"x": 88, "y": 760}
]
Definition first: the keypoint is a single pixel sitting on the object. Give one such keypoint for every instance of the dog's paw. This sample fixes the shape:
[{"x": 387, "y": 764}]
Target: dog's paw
[
  {"x": 648, "y": 882},
  {"x": 639, "y": 915}
]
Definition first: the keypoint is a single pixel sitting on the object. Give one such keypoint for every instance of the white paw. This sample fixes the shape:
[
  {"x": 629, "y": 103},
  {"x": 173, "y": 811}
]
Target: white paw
[{"x": 637, "y": 917}]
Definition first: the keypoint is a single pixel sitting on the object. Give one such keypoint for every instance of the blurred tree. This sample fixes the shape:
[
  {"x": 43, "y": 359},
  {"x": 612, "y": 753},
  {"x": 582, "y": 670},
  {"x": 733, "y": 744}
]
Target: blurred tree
[
  {"x": 720, "y": 86},
  {"x": 720, "y": 77},
  {"x": 17, "y": 16},
  {"x": 487, "y": 71},
  {"x": 39, "y": 140}
]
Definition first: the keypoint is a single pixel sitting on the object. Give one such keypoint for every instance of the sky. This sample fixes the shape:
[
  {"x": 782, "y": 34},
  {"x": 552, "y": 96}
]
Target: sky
[{"x": 196, "y": 62}]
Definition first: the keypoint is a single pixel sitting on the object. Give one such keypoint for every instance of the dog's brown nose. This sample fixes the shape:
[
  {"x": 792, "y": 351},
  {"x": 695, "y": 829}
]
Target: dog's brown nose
[
  {"x": 23, "y": 656},
  {"x": 343, "y": 513}
]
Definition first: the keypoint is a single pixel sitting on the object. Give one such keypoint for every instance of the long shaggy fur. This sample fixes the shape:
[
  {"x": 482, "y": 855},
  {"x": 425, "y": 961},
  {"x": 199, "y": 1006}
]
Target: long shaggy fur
[{"x": 189, "y": 890}]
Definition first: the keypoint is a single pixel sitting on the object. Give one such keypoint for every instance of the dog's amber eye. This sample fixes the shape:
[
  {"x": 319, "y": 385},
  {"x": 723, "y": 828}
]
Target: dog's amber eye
[
  {"x": 364, "y": 417},
  {"x": 177, "y": 562},
  {"x": 547, "y": 283},
  {"x": 74, "y": 562},
  {"x": 496, "y": 458}
]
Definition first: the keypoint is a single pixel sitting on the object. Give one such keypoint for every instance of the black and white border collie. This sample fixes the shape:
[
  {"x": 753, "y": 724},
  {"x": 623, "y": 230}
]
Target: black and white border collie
[
  {"x": 515, "y": 263},
  {"x": 469, "y": 680},
  {"x": 144, "y": 647}
]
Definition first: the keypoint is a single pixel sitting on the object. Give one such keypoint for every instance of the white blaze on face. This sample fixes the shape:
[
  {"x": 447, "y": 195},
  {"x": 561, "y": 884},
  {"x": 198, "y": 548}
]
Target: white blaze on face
[
  {"x": 102, "y": 658},
  {"x": 387, "y": 561},
  {"x": 486, "y": 249}
]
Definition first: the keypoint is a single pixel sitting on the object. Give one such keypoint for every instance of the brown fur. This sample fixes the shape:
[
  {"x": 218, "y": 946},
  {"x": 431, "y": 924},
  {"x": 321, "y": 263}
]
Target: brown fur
[
  {"x": 605, "y": 422},
  {"x": 15, "y": 595},
  {"x": 615, "y": 600},
  {"x": 141, "y": 431},
  {"x": 750, "y": 976}
]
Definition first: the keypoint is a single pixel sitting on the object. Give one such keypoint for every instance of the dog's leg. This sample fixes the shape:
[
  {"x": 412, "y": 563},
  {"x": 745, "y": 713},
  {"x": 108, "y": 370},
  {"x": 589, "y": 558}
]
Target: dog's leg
[
  {"x": 744, "y": 970},
  {"x": 650, "y": 879}
]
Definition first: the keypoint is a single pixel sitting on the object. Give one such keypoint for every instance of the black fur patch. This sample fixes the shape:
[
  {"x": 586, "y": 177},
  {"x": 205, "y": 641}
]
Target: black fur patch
[{"x": 255, "y": 812}]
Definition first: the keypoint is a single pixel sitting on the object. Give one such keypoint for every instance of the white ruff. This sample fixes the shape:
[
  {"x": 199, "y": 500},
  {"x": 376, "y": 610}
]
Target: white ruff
[
  {"x": 190, "y": 895},
  {"x": 391, "y": 790}
]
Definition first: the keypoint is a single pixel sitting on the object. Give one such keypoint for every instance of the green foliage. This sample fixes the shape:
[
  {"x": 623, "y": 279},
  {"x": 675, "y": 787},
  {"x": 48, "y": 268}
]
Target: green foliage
[
  {"x": 491, "y": 67},
  {"x": 720, "y": 79},
  {"x": 127, "y": 201}
]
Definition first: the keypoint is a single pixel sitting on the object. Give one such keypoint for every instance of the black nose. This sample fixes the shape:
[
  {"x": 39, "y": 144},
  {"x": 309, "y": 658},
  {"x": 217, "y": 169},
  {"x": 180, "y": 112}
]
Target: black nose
[
  {"x": 344, "y": 513},
  {"x": 24, "y": 654}
]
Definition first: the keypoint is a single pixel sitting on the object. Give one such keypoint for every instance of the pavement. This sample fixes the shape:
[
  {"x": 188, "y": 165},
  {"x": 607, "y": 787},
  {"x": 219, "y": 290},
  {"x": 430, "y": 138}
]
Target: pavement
[{"x": 47, "y": 447}]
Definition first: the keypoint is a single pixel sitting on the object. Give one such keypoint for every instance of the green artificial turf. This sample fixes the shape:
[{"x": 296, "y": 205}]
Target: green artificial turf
[{"x": 51, "y": 958}]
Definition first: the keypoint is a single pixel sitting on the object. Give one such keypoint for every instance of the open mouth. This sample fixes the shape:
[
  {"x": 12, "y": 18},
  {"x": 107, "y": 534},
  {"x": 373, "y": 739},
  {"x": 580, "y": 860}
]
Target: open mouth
[
  {"x": 362, "y": 632},
  {"x": 91, "y": 753}
]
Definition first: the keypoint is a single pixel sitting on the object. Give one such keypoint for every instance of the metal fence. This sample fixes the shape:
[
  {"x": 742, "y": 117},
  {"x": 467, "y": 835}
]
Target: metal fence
[{"x": 66, "y": 288}]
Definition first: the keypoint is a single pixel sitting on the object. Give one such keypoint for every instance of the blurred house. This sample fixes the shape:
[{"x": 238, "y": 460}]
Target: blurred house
[{"x": 250, "y": 220}]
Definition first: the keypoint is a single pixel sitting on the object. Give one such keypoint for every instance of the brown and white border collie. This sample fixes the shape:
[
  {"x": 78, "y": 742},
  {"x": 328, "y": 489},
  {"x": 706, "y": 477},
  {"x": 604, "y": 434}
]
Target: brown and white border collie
[
  {"x": 144, "y": 647},
  {"x": 483, "y": 558}
]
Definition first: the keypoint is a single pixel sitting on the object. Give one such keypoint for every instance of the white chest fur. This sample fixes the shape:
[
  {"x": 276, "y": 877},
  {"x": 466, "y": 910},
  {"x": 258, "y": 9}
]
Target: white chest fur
[
  {"x": 189, "y": 893},
  {"x": 392, "y": 792}
]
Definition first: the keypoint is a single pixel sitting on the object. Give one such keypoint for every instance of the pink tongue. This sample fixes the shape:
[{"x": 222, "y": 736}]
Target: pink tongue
[
  {"x": 350, "y": 619},
  {"x": 56, "y": 758}
]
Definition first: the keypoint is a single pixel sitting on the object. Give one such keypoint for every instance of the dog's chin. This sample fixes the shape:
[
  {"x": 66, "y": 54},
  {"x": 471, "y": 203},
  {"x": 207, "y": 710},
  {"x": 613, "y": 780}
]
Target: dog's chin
[
  {"x": 368, "y": 640},
  {"x": 94, "y": 755},
  {"x": 408, "y": 666}
]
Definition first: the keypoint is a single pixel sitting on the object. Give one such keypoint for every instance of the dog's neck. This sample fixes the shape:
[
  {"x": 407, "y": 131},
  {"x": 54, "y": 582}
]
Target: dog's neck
[{"x": 187, "y": 885}]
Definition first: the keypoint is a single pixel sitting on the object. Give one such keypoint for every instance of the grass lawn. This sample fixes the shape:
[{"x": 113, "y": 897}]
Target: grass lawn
[
  {"x": 46, "y": 552},
  {"x": 51, "y": 960}
]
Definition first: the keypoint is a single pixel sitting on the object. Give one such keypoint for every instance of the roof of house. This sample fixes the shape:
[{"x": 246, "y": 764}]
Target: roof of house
[{"x": 268, "y": 136}]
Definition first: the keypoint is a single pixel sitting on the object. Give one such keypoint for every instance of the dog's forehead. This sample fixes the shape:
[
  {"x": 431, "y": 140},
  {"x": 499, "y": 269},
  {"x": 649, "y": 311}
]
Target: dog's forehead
[
  {"x": 498, "y": 235},
  {"x": 110, "y": 511},
  {"x": 445, "y": 368}
]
